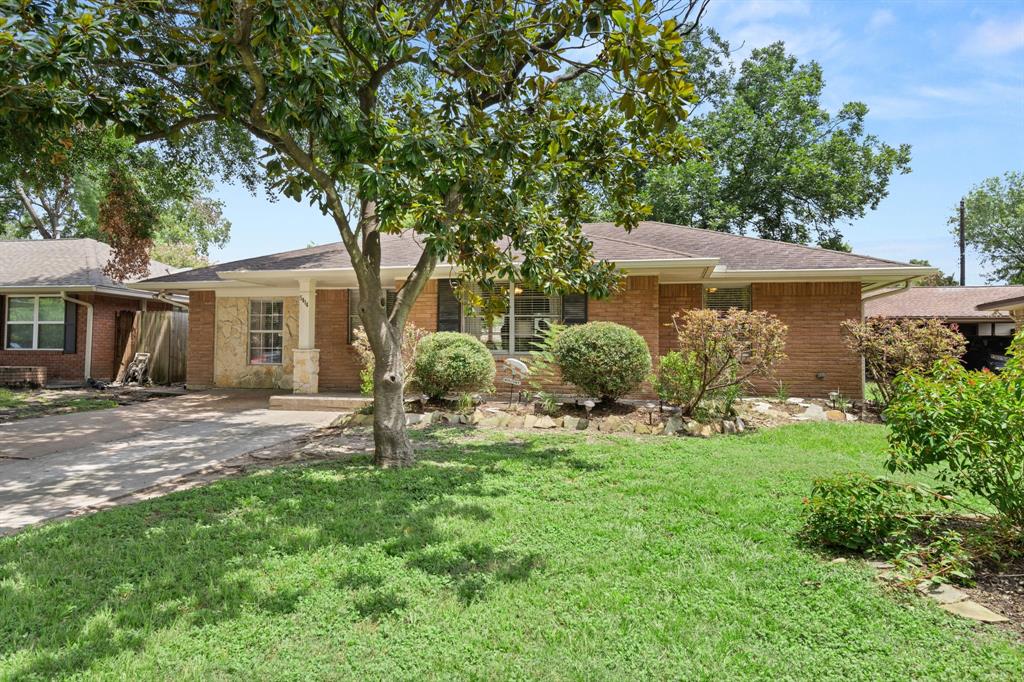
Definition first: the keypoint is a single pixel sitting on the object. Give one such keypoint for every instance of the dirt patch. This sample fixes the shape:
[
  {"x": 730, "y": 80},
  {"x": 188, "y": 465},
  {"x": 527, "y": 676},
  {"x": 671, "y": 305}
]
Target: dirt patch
[
  {"x": 28, "y": 403},
  {"x": 1002, "y": 591}
]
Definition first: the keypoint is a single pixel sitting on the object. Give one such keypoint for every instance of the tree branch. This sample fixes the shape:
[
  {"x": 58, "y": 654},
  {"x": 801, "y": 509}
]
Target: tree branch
[{"x": 27, "y": 203}]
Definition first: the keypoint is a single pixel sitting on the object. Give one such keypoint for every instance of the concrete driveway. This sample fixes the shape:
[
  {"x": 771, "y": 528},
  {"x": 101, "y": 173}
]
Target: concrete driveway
[{"x": 51, "y": 466}]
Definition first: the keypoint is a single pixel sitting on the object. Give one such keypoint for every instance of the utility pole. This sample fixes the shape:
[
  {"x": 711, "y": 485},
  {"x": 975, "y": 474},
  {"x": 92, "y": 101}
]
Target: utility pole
[{"x": 963, "y": 237}]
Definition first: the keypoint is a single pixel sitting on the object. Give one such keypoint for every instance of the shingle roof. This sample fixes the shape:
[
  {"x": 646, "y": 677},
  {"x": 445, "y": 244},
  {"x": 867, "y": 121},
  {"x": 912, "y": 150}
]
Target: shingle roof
[
  {"x": 60, "y": 262},
  {"x": 649, "y": 241},
  {"x": 952, "y": 303}
]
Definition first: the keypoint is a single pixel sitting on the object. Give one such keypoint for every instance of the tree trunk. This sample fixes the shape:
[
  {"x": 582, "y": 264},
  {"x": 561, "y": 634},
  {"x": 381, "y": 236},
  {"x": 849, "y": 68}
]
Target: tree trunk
[{"x": 391, "y": 444}]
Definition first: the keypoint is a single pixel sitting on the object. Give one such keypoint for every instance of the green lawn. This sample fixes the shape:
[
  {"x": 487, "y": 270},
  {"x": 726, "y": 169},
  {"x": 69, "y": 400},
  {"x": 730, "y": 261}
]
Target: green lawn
[
  {"x": 9, "y": 398},
  {"x": 557, "y": 557}
]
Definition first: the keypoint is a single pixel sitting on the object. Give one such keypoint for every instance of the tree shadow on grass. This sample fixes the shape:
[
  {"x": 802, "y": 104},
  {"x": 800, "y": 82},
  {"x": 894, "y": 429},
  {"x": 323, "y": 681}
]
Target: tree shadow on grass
[{"x": 74, "y": 593}]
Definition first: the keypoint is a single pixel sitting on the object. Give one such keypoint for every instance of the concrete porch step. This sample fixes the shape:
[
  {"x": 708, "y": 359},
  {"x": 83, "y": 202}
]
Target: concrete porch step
[{"x": 327, "y": 402}]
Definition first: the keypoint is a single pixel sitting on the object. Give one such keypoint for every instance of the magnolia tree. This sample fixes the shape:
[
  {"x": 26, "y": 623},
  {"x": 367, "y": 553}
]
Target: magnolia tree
[{"x": 441, "y": 117}]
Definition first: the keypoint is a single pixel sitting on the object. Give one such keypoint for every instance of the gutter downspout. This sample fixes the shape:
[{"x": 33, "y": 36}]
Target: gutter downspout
[
  {"x": 900, "y": 289},
  {"x": 163, "y": 296},
  {"x": 88, "y": 331}
]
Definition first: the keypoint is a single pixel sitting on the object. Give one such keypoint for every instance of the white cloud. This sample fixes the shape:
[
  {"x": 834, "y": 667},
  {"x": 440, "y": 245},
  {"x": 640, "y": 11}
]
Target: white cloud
[
  {"x": 993, "y": 37},
  {"x": 759, "y": 10},
  {"x": 881, "y": 18}
]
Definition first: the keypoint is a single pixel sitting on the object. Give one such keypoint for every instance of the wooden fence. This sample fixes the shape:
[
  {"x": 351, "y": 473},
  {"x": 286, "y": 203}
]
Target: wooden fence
[{"x": 161, "y": 333}]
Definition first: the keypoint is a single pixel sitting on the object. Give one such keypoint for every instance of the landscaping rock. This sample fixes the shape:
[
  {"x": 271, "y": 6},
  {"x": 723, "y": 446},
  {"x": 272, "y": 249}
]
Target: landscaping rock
[
  {"x": 416, "y": 419},
  {"x": 529, "y": 421},
  {"x": 880, "y": 565},
  {"x": 794, "y": 401},
  {"x": 740, "y": 425},
  {"x": 706, "y": 431},
  {"x": 674, "y": 425},
  {"x": 516, "y": 422},
  {"x": 544, "y": 422},
  {"x": 944, "y": 594},
  {"x": 974, "y": 611},
  {"x": 436, "y": 417},
  {"x": 763, "y": 408},
  {"x": 491, "y": 422},
  {"x": 835, "y": 415},
  {"x": 574, "y": 423},
  {"x": 609, "y": 424},
  {"x": 814, "y": 413},
  {"x": 642, "y": 428},
  {"x": 728, "y": 427},
  {"x": 693, "y": 428},
  {"x": 851, "y": 417},
  {"x": 658, "y": 428},
  {"x": 625, "y": 426}
]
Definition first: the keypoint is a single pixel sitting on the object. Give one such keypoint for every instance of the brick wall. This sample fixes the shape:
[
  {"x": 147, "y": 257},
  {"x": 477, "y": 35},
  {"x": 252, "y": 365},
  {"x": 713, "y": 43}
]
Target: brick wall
[
  {"x": 424, "y": 310},
  {"x": 70, "y": 367},
  {"x": 813, "y": 311},
  {"x": 339, "y": 364},
  {"x": 202, "y": 316},
  {"x": 671, "y": 299},
  {"x": 23, "y": 376}
]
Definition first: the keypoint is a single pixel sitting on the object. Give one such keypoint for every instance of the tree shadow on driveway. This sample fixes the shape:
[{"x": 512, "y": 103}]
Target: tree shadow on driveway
[{"x": 74, "y": 593}]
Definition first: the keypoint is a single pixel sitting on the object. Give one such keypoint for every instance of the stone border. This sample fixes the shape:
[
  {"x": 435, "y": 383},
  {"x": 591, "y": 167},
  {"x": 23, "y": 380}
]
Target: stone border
[
  {"x": 949, "y": 598},
  {"x": 498, "y": 419}
]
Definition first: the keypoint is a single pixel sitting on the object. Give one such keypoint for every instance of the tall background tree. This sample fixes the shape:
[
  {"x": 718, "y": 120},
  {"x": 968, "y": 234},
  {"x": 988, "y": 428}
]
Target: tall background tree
[
  {"x": 53, "y": 185},
  {"x": 939, "y": 279},
  {"x": 777, "y": 162},
  {"x": 443, "y": 117},
  {"x": 995, "y": 225}
]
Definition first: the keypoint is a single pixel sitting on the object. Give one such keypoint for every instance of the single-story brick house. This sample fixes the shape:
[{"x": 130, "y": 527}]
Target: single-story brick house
[
  {"x": 59, "y": 309},
  {"x": 987, "y": 328},
  {"x": 252, "y": 321}
]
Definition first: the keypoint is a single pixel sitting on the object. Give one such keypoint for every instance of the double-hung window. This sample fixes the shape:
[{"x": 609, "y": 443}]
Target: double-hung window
[
  {"x": 35, "y": 323},
  {"x": 266, "y": 331},
  {"x": 512, "y": 319}
]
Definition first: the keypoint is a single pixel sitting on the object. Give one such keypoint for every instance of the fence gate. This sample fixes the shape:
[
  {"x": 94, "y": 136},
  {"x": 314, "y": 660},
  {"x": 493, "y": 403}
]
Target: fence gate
[{"x": 161, "y": 333}]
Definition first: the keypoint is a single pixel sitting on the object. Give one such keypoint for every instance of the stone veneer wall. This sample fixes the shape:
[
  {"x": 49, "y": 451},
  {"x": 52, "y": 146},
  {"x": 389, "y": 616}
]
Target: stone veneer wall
[{"x": 231, "y": 348}]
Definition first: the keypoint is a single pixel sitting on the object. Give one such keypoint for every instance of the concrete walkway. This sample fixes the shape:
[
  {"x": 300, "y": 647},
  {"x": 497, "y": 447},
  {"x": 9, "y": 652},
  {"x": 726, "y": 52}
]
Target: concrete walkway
[{"x": 51, "y": 466}]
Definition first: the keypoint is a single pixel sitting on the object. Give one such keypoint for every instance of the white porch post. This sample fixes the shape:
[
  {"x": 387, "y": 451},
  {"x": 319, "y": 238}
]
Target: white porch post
[{"x": 306, "y": 366}]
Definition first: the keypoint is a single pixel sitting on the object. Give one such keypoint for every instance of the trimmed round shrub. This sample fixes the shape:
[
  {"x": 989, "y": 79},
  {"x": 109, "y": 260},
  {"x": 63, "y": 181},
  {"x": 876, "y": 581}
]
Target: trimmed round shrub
[
  {"x": 449, "y": 362},
  {"x": 602, "y": 359}
]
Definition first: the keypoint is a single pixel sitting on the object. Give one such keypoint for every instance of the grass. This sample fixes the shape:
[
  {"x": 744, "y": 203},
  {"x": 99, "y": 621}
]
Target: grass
[
  {"x": 9, "y": 398},
  {"x": 552, "y": 557},
  {"x": 27, "y": 404}
]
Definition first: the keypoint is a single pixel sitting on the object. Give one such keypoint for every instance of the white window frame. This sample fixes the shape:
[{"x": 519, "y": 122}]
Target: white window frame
[
  {"x": 511, "y": 313},
  {"x": 35, "y": 323},
  {"x": 261, "y": 331}
]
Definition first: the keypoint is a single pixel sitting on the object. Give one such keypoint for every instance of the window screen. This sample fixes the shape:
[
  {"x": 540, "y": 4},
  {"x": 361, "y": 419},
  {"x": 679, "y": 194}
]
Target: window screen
[
  {"x": 492, "y": 328},
  {"x": 35, "y": 322},
  {"x": 533, "y": 311},
  {"x": 724, "y": 298},
  {"x": 266, "y": 327}
]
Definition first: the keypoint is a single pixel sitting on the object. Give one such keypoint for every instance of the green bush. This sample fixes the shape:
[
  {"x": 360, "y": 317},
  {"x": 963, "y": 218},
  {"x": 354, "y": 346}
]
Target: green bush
[
  {"x": 861, "y": 513},
  {"x": 678, "y": 382},
  {"x": 449, "y": 362},
  {"x": 602, "y": 359},
  {"x": 968, "y": 426}
]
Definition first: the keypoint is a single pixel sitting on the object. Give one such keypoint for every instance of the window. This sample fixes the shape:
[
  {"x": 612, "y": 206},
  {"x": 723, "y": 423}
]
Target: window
[
  {"x": 266, "y": 326},
  {"x": 354, "y": 322},
  {"x": 35, "y": 322},
  {"x": 724, "y": 298},
  {"x": 513, "y": 321}
]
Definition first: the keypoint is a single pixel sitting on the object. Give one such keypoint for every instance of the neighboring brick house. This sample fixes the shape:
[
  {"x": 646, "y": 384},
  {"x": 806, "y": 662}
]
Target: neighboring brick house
[
  {"x": 253, "y": 322},
  {"x": 52, "y": 292},
  {"x": 979, "y": 312}
]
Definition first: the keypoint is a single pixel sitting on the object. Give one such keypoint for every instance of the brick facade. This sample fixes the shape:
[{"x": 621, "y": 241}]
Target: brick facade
[
  {"x": 813, "y": 312},
  {"x": 202, "y": 318},
  {"x": 339, "y": 364},
  {"x": 70, "y": 367},
  {"x": 672, "y": 299}
]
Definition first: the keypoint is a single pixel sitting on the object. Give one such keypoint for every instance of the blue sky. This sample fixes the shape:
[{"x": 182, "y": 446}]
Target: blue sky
[{"x": 945, "y": 77}]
